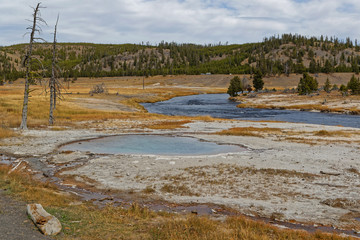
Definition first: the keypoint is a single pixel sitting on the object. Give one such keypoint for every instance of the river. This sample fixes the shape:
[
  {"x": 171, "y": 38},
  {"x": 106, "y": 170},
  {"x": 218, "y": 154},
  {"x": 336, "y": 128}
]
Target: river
[{"x": 218, "y": 106}]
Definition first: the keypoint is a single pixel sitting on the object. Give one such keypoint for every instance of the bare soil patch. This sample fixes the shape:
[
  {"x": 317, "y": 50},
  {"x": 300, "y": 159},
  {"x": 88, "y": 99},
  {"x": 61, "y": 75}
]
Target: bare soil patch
[{"x": 14, "y": 222}]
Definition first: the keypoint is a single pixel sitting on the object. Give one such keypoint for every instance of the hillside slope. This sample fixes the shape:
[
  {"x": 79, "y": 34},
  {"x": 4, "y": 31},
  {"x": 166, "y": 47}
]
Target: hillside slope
[{"x": 274, "y": 56}]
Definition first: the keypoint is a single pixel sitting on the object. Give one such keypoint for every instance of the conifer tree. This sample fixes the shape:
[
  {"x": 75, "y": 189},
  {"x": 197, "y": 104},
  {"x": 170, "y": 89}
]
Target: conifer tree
[
  {"x": 354, "y": 85},
  {"x": 258, "y": 83},
  {"x": 327, "y": 86},
  {"x": 342, "y": 88},
  {"x": 307, "y": 84},
  {"x": 235, "y": 87}
]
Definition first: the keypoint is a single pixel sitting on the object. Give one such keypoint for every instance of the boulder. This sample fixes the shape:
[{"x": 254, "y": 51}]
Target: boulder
[{"x": 47, "y": 223}]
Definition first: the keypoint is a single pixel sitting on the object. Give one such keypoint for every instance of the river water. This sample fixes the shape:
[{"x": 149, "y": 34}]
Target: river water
[{"x": 218, "y": 105}]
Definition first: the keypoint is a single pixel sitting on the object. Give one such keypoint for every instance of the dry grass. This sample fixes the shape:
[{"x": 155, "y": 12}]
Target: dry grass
[
  {"x": 149, "y": 190},
  {"x": 250, "y": 131},
  {"x": 6, "y": 133},
  {"x": 324, "y": 133},
  {"x": 168, "y": 124},
  {"x": 309, "y": 137},
  {"x": 354, "y": 170},
  {"x": 226, "y": 170},
  {"x": 196, "y": 228},
  {"x": 21, "y": 184},
  {"x": 344, "y": 203},
  {"x": 123, "y": 91},
  {"x": 178, "y": 189}
]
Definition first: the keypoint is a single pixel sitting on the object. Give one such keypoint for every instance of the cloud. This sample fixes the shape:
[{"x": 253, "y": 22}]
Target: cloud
[{"x": 196, "y": 21}]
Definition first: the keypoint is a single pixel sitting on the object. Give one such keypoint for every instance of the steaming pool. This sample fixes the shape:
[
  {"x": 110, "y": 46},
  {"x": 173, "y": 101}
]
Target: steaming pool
[{"x": 151, "y": 145}]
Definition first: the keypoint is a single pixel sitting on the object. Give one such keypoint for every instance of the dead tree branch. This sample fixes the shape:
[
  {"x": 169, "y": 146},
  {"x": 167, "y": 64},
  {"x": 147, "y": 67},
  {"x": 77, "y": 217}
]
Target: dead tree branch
[
  {"x": 54, "y": 83},
  {"x": 27, "y": 62}
]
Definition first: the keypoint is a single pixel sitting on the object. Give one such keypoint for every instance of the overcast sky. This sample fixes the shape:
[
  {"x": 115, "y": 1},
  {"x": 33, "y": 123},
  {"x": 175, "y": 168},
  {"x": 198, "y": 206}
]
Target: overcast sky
[{"x": 182, "y": 21}]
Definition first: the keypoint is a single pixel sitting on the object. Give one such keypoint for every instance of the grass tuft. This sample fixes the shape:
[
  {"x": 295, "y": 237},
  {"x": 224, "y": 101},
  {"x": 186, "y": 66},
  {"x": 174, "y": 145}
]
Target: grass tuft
[
  {"x": 249, "y": 131},
  {"x": 178, "y": 189},
  {"x": 324, "y": 133},
  {"x": 168, "y": 124},
  {"x": 6, "y": 133}
]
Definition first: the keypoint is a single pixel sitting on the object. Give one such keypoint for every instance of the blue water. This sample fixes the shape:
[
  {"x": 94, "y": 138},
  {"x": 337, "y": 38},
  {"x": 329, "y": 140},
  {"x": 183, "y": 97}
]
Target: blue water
[
  {"x": 218, "y": 105},
  {"x": 151, "y": 144}
]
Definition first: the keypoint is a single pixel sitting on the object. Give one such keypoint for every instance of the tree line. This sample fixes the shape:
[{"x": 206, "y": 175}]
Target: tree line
[
  {"x": 283, "y": 54},
  {"x": 307, "y": 85}
]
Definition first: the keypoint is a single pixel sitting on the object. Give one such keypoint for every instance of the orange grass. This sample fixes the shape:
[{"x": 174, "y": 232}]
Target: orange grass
[
  {"x": 196, "y": 228},
  {"x": 6, "y": 133},
  {"x": 324, "y": 133},
  {"x": 249, "y": 131},
  {"x": 68, "y": 110}
]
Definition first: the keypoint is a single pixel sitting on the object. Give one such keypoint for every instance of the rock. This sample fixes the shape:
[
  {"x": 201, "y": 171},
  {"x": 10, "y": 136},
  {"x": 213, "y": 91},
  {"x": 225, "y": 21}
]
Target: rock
[{"x": 47, "y": 223}]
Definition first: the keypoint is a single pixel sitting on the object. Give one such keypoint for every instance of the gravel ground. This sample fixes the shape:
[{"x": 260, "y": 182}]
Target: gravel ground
[{"x": 14, "y": 222}]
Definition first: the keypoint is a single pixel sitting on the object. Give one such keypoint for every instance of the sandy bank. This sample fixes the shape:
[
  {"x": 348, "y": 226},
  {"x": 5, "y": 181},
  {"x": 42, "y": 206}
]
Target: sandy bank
[{"x": 324, "y": 102}]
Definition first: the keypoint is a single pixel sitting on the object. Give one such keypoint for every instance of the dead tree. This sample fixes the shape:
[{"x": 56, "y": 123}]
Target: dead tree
[
  {"x": 35, "y": 28},
  {"x": 54, "y": 83}
]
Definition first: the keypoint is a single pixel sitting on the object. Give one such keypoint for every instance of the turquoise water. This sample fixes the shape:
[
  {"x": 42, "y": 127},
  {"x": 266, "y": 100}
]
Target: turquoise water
[{"x": 151, "y": 144}]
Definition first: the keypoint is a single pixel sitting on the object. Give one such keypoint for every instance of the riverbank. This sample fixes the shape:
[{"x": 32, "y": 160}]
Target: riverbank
[{"x": 332, "y": 102}]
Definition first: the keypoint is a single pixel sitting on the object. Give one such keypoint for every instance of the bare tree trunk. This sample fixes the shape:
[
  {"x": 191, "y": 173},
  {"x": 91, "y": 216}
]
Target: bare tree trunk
[
  {"x": 27, "y": 63},
  {"x": 52, "y": 82}
]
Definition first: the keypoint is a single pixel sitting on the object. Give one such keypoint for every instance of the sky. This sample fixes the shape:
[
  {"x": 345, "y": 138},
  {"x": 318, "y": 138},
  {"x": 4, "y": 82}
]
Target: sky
[{"x": 181, "y": 21}]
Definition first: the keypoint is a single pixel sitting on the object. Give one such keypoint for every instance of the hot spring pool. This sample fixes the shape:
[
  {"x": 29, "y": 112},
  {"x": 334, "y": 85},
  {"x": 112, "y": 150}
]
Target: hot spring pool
[{"x": 152, "y": 145}]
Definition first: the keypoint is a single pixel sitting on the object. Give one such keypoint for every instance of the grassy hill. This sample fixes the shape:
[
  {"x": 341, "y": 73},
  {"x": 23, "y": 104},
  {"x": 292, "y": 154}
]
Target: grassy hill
[{"x": 284, "y": 54}]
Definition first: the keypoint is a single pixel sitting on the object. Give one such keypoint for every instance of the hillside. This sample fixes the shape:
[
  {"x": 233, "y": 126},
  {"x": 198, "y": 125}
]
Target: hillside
[{"x": 275, "y": 55}]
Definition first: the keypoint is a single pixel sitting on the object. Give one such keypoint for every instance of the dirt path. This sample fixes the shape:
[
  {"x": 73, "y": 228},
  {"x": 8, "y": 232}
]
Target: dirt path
[{"x": 14, "y": 222}]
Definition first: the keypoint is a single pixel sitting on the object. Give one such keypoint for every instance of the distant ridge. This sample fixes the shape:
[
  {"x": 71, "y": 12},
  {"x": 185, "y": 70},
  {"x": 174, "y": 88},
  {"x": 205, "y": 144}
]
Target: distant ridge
[{"x": 276, "y": 55}]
